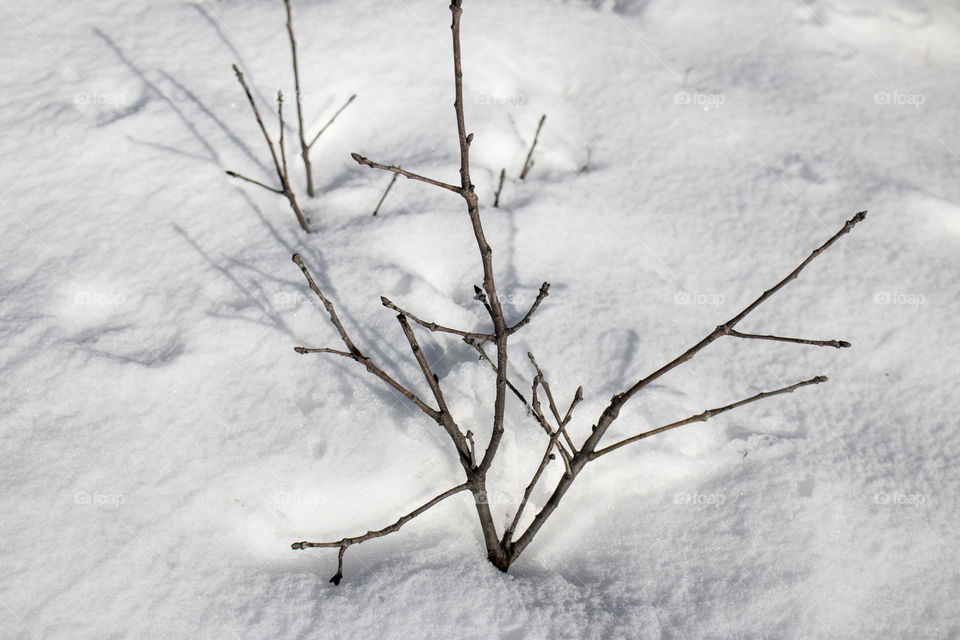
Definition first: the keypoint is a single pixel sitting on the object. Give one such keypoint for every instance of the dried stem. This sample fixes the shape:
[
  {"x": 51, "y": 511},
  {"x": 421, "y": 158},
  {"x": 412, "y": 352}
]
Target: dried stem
[
  {"x": 285, "y": 190},
  {"x": 403, "y": 172},
  {"x": 283, "y": 150},
  {"x": 344, "y": 543},
  {"x": 234, "y": 174},
  {"x": 352, "y": 351},
  {"x": 561, "y": 422},
  {"x": 445, "y": 419},
  {"x": 304, "y": 147},
  {"x": 502, "y": 551},
  {"x": 837, "y": 344},
  {"x": 588, "y": 451},
  {"x": 528, "y": 163},
  {"x": 384, "y": 196},
  {"x": 332, "y": 119},
  {"x": 706, "y": 415},
  {"x": 301, "y": 130},
  {"x": 433, "y": 326},
  {"x": 496, "y": 196},
  {"x": 519, "y": 394},
  {"x": 543, "y": 293}
]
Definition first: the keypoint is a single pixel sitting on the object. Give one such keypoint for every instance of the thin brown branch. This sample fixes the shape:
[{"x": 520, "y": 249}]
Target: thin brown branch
[
  {"x": 837, "y": 344},
  {"x": 561, "y": 422},
  {"x": 304, "y": 147},
  {"x": 535, "y": 412},
  {"x": 428, "y": 374},
  {"x": 547, "y": 455},
  {"x": 327, "y": 304},
  {"x": 544, "y": 461},
  {"x": 847, "y": 227},
  {"x": 286, "y": 190},
  {"x": 283, "y": 151},
  {"x": 352, "y": 351},
  {"x": 331, "y": 120},
  {"x": 445, "y": 419},
  {"x": 234, "y": 174},
  {"x": 553, "y": 433},
  {"x": 528, "y": 163},
  {"x": 344, "y": 543},
  {"x": 613, "y": 409},
  {"x": 544, "y": 292},
  {"x": 706, "y": 415},
  {"x": 433, "y": 326},
  {"x": 256, "y": 113},
  {"x": 496, "y": 196},
  {"x": 403, "y": 172},
  {"x": 577, "y": 399},
  {"x": 384, "y": 196},
  {"x": 589, "y": 447},
  {"x": 535, "y": 406},
  {"x": 483, "y": 356},
  {"x": 496, "y": 553},
  {"x": 338, "y": 352}
]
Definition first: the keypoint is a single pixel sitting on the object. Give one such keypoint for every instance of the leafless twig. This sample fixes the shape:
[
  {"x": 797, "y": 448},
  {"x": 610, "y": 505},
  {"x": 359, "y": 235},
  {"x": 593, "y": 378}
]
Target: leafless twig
[
  {"x": 433, "y": 326},
  {"x": 384, "y": 196},
  {"x": 503, "y": 550},
  {"x": 304, "y": 145},
  {"x": 344, "y": 543},
  {"x": 282, "y": 174},
  {"x": 403, "y": 172},
  {"x": 588, "y": 451},
  {"x": 528, "y": 163},
  {"x": 496, "y": 196}
]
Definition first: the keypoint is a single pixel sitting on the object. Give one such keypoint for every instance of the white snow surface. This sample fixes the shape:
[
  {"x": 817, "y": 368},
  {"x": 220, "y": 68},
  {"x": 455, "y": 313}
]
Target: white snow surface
[{"x": 162, "y": 444}]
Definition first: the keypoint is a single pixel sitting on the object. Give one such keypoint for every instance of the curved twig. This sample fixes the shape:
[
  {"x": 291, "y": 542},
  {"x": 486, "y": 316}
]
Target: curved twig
[{"x": 344, "y": 543}]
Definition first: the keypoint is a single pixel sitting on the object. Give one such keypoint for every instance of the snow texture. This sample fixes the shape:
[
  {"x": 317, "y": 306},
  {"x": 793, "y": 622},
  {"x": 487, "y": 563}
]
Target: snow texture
[{"x": 162, "y": 444}]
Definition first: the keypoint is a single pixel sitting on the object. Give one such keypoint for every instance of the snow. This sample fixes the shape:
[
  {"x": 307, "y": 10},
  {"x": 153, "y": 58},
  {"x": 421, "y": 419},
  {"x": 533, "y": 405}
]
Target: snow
[{"x": 163, "y": 445}]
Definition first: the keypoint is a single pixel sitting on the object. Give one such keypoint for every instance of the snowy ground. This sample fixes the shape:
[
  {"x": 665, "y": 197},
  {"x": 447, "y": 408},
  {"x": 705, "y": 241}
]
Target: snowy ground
[{"x": 162, "y": 444}]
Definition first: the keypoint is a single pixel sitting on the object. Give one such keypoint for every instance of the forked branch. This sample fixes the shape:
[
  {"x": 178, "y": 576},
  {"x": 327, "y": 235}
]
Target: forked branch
[
  {"x": 725, "y": 329},
  {"x": 503, "y": 550},
  {"x": 345, "y": 543},
  {"x": 352, "y": 351},
  {"x": 589, "y": 450},
  {"x": 282, "y": 174}
]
